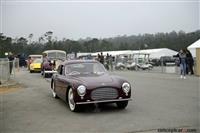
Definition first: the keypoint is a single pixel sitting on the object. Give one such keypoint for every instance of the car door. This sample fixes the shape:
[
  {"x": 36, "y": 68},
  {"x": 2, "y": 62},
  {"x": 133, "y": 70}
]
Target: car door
[
  {"x": 62, "y": 82},
  {"x": 56, "y": 80}
]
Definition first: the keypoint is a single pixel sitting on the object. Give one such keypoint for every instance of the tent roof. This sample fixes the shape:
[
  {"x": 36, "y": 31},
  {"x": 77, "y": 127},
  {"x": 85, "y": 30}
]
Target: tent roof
[
  {"x": 195, "y": 45},
  {"x": 154, "y": 53},
  {"x": 157, "y": 50}
]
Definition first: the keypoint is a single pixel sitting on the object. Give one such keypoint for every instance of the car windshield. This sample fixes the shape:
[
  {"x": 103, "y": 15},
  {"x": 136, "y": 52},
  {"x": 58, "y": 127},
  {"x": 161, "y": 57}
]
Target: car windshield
[
  {"x": 57, "y": 55},
  {"x": 84, "y": 68},
  {"x": 51, "y": 55}
]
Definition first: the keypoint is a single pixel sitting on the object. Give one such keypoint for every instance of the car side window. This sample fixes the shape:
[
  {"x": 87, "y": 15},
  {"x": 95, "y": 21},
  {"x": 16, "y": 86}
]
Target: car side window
[{"x": 60, "y": 70}]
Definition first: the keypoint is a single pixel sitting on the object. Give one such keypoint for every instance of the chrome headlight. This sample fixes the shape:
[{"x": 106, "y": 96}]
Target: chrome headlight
[
  {"x": 81, "y": 90},
  {"x": 126, "y": 88}
]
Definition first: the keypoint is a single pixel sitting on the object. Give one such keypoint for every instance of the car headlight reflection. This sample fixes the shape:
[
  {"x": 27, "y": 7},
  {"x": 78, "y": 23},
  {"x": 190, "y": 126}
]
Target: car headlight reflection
[
  {"x": 81, "y": 90},
  {"x": 126, "y": 88}
]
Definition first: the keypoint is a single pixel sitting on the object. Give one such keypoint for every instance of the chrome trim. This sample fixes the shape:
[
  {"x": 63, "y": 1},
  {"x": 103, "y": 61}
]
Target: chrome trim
[
  {"x": 81, "y": 95},
  {"x": 104, "y": 101}
]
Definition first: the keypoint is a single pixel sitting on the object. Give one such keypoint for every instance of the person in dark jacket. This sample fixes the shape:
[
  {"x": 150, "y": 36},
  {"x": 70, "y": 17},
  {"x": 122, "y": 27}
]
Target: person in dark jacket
[{"x": 190, "y": 63}]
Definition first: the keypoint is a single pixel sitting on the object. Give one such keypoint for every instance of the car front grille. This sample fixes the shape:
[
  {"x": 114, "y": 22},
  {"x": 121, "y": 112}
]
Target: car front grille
[{"x": 104, "y": 94}]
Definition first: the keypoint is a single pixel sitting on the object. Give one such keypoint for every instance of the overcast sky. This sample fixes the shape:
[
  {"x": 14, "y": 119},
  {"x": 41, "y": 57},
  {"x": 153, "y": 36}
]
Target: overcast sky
[{"x": 81, "y": 19}]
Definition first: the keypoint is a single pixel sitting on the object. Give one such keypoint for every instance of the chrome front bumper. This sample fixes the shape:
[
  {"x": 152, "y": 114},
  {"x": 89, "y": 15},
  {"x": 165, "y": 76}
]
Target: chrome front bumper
[{"x": 104, "y": 101}]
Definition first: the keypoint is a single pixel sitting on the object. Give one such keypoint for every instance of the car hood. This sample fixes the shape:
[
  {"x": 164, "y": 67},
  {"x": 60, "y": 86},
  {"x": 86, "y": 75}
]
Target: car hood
[
  {"x": 106, "y": 78},
  {"x": 36, "y": 65},
  {"x": 94, "y": 80}
]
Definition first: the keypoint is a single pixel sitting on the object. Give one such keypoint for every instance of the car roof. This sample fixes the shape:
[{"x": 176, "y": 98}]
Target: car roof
[
  {"x": 78, "y": 61},
  {"x": 37, "y": 59}
]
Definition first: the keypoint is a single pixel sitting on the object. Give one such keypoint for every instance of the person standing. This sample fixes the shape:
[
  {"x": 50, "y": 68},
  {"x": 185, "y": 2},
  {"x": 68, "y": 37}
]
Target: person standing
[
  {"x": 45, "y": 58},
  {"x": 183, "y": 62},
  {"x": 102, "y": 58},
  {"x": 45, "y": 63},
  {"x": 11, "y": 59},
  {"x": 107, "y": 64},
  {"x": 111, "y": 62},
  {"x": 29, "y": 61}
]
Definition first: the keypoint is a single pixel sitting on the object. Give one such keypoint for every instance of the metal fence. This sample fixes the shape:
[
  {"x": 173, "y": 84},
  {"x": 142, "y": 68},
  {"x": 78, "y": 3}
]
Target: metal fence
[{"x": 8, "y": 69}]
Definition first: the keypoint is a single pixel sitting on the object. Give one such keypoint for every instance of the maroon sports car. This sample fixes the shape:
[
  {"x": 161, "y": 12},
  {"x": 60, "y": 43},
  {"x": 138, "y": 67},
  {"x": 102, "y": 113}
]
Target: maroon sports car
[{"x": 80, "y": 82}]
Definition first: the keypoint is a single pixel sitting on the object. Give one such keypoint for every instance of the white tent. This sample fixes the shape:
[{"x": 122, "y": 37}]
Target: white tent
[
  {"x": 193, "y": 47},
  {"x": 153, "y": 53},
  {"x": 82, "y": 54}
]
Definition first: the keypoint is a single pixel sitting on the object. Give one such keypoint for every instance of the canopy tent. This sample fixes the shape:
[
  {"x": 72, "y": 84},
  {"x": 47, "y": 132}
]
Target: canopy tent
[
  {"x": 192, "y": 47},
  {"x": 157, "y": 53}
]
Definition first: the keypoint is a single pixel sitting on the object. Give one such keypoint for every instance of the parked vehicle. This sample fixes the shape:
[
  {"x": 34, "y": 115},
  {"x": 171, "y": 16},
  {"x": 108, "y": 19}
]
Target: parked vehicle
[
  {"x": 146, "y": 66},
  {"x": 131, "y": 66},
  {"x": 120, "y": 66},
  {"x": 80, "y": 82},
  {"x": 143, "y": 64},
  {"x": 120, "y": 62},
  {"x": 51, "y": 62}
]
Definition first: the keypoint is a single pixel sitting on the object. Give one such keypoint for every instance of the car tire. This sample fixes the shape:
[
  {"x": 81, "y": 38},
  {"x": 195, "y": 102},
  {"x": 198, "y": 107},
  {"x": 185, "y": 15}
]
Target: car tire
[
  {"x": 31, "y": 71},
  {"x": 122, "y": 104},
  {"x": 72, "y": 105},
  {"x": 53, "y": 90}
]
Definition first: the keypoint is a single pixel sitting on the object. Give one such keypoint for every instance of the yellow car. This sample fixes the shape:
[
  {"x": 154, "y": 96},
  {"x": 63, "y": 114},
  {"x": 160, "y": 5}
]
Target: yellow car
[{"x": 35, "y": 66}]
